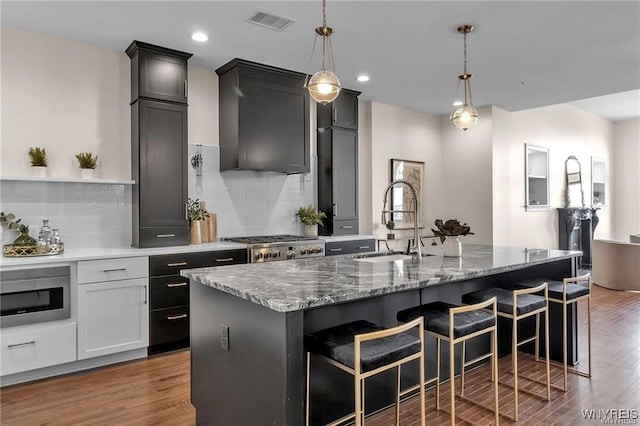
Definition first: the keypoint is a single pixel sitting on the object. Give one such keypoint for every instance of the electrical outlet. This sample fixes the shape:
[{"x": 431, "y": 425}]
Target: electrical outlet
[{"x": 224, "y": 337}]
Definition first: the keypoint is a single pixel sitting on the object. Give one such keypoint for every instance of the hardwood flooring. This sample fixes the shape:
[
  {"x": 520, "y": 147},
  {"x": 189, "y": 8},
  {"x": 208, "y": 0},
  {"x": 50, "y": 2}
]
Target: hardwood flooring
[{"x": 155, "y": 391}]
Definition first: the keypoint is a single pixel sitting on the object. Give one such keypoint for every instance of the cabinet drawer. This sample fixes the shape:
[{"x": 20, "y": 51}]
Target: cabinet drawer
[
  {"x": 345, "y": 227},
  {"x": 172, "y": 264},
  {"x": 348, "y": 247},
  {"x": 164, "y": 236},
  {"x": 94, "y": 271},
  {"x": 36, "y": 348},
  {"x": 168, "y": 325},
  {"x": 168, "y": 291}
]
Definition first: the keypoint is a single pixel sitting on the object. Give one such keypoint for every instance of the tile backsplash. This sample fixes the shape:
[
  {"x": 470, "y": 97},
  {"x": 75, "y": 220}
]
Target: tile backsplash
[{"x": 99, "y": 215}]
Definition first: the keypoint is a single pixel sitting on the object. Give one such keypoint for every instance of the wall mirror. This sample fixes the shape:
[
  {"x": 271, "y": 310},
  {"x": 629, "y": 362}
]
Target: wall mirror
[
  {"x": 536, "y": 178},
  {"x": 574, "y": 194},
  {"x": 401, "y": 197},
  {"x": 598, "y": 190}
]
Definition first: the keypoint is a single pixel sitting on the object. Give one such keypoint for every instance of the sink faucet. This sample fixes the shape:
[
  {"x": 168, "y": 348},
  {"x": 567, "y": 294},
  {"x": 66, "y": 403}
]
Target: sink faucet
[{"x": 414, "y": 196}]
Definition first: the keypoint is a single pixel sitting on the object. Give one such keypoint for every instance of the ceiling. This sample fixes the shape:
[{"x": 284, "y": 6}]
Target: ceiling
[{"x": 523, "y": 54}]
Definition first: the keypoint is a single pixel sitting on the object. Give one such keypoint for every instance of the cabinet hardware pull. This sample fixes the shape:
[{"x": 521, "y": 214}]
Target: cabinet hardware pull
[
  {"x": 186, "y": 211},
  {"x": 226, "y": 259},
  {"x": 177, "y": 264},
  {"x": 144, "y": 302},
  {"x": 335, "y": 209},
  {"x": 165, "y": 235},
  {"x": 347, "y": 227},
  {"x": 363, "y": 247},
  {"x": 114, "y": 269},
  {"x": 15, "y": 345},
  {"x": 175, "y": 317},
  {"x": 335, "y": 249},
  {"x": 335, "y": 115},
  {"x": 186, "y": 88},
  {"x": 171, "y": 285}
]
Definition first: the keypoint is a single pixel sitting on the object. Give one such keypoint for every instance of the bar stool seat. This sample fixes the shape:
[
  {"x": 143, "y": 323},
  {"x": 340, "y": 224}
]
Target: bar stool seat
[
  {"x": 457, "y": 324},
  {"x": 574, "y": 291},
  {"x": 364, "y": 349},
  {"x": 525, "y": 303}
]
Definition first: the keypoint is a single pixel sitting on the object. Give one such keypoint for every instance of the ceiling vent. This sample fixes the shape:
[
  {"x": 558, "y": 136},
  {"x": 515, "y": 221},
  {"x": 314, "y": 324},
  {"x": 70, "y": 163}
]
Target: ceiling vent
[{"x": 269, "y": 20}]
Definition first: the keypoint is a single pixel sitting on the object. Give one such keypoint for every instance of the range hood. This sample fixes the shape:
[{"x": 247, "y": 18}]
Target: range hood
[{"x": 264, "y": 118}]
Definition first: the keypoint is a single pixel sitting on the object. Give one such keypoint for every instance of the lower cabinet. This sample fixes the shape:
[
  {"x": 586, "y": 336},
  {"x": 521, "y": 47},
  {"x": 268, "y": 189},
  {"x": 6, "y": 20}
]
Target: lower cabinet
[
  {"x": 37, "y": 347},
  {"x": 349, "y": 247},
  {"x": 113, "y": 316}
]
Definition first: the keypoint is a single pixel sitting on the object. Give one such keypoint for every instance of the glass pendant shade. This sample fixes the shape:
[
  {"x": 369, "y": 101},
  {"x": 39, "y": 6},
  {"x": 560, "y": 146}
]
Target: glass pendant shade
[
  {"x": 324, "y": 86},
  {"x": 465, "y": 117}
]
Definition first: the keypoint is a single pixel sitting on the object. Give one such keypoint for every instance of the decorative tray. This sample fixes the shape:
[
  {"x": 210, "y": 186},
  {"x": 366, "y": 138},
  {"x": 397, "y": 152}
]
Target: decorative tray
[{"x": 10, "y": 250}]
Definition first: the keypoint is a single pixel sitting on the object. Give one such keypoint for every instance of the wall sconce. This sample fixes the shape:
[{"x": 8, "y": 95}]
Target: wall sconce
[{"x": 197, "y": 161}]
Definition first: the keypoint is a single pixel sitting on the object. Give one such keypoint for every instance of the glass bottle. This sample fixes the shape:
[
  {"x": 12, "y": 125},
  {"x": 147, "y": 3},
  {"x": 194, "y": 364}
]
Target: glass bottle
[
  {"x": 46, "y": 231},
  {"x": 55, "y": 237}
]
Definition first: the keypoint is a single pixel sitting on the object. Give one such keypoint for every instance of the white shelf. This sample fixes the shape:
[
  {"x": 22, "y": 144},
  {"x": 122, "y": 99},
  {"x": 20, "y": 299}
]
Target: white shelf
[{"x": 66, "y": 179}]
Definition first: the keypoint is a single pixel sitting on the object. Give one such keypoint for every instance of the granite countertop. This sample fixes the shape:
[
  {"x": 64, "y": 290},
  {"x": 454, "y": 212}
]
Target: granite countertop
[
  {"x": 307, "y": 283},
  {"x": 74, "y": 255}
]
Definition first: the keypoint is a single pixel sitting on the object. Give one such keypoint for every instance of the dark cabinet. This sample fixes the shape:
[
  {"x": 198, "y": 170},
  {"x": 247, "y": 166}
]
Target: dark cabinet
[
  {"x": 169, "y": 294},
  {"x": 349, "y": 247},
  {"x": 337, "y": 149},
  {"x": 264, "y": 118},
  {"x": 158, "y": 145},
  {"x": 576, "y": 227}
]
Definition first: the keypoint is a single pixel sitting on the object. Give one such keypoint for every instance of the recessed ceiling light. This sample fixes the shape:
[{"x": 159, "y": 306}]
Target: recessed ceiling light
[
  {"x": 363, "y": 78},
  {"x": 199, "y": 37},
  {"x": 457, "y": 103}
]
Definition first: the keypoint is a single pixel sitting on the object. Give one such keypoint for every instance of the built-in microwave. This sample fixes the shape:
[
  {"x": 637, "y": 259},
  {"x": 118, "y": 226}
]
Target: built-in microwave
[{"x": 29, "y": 296}]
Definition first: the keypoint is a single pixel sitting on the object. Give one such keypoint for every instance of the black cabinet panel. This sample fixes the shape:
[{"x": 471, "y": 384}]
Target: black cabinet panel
[
  {"x": 169, "y": 264},
  {"x": 169, "y": 325},
  {"x": 264, "y": 118},
  {"x": 343, "y": 112},
  {"x": 168, "y": 291},
  {"x": 349, "y": 247},
  {"x": 576, "y": 227},
  {"x": 345, "y": 227}
]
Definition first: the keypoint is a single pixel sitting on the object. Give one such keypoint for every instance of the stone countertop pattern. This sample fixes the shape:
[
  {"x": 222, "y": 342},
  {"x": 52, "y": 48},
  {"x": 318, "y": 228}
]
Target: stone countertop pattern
[
  {"x": 74, "y": 255},
  {"x": 308, "y": 283}
]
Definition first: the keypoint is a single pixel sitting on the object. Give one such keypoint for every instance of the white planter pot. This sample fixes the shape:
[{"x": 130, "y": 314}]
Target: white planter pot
[
  {"x": 311, "y": 230},
  {"x": 87, "y": 173},
  {"x": 452, "y": 247},
  {"x": 39, "y": 171}
]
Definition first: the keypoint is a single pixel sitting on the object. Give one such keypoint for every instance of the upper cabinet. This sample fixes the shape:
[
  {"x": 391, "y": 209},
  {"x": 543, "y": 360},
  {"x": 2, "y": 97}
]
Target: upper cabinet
[
  {"x": 158, "y": 72},
  {"x": 598, "y": 189},
  {"x": 536, "y": 178},
  {"x": 343, "y": 112},
  {"x": 264, "y": 118}
]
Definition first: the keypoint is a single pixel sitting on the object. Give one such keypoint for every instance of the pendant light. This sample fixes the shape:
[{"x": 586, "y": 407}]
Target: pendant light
[
  {"x": 465, "y": 116},
  {"x": 323, "y": 86}
]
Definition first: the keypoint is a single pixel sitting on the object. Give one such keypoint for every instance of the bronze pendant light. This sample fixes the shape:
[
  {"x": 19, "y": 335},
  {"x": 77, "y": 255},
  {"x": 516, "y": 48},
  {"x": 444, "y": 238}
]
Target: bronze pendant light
[
  {"x": 324, "y": 86},
  {"x": 465, "y": 116}
]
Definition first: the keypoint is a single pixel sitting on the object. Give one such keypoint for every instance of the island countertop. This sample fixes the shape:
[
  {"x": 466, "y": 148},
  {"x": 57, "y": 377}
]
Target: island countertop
[{"x": 309, "y": 283}]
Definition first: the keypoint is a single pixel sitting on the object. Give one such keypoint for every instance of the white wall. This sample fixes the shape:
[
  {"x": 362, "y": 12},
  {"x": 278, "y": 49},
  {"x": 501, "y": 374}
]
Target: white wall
[{"x": 625, "y": 169}]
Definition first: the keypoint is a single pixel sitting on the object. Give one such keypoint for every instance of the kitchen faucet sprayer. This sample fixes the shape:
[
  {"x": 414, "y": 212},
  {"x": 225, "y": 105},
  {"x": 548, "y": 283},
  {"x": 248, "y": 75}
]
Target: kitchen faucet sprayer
[{"x": 414, "y": 195}]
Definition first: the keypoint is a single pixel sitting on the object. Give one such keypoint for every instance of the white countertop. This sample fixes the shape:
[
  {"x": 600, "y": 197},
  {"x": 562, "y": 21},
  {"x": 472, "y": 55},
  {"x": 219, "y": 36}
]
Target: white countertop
[{"x": 74, "y": 255}]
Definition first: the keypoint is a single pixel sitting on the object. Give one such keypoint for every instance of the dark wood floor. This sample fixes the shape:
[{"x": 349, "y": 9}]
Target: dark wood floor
[{"x": 155, "y": 391}]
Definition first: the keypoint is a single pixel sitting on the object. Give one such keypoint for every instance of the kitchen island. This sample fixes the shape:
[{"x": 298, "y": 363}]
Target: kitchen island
[{"x": 248, "y": 323}]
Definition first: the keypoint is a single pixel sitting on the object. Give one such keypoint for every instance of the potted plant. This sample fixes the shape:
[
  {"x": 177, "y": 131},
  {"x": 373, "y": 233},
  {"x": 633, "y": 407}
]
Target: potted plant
[
  {"x": 24, "y": 239},
  {"x": 87, "y": 163},
  {"x": 311, "y": 219},
  {"x": 196, "y": 216},
  {"x": 390, "y": 226},
  {"x": 38, "y": 159},
  {"x": 452, "y": 228}
]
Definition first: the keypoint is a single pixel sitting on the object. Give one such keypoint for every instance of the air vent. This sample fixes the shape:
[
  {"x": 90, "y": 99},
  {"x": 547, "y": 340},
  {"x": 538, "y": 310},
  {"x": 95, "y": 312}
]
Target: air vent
[{"x": 269, "y": 20}]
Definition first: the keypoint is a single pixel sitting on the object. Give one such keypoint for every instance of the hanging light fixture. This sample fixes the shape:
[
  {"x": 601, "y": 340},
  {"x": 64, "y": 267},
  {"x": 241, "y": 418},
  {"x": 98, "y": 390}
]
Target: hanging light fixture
[
  {"x": 323, "y": 86},
  {"x": 465, "y": 116}
]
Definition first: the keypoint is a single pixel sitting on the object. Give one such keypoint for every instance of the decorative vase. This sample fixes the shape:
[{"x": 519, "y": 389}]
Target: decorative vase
[
  {"x": 39, "y": 171},
  {"x": 195, "y": 233},
  {"x": 452, "y": 247},
  {"x": 311, "y": 230},
  {"x": 87, "y": 173},
  {"x": 24, "y": 239}
]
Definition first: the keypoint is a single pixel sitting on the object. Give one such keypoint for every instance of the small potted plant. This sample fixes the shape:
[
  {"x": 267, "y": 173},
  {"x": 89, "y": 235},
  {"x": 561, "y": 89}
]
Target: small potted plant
[
  {"x": 87, "y": 163},
  {"x": 452, "y": 228},
  {"x": 196, "y": 216},
  {"x": 390, "y": 226},
  {"x": 38, "y": 159},
  {"x": 311, "y": 219},
  {"x": 24, "y": 239}
]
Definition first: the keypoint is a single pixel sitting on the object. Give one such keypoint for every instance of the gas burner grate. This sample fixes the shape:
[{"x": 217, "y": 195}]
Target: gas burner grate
[{"x": 266, "y": 239}]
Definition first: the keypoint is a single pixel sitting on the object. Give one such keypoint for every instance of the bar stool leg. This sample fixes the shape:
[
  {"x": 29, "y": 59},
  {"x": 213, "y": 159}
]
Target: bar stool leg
[
  {"x": 452, "y": 381},
  {"x": 463, "y": 358},
  {"x": 537, "y": 349},
  {"x": 514, "y": 360},
  {"x": 494, "y": 369},
  {"x": 308, "y": 381},
  {"x": 358, "y": 396},
  {"x": 565, "y": 361},
  {"x": 422, "y": 391},
  {"x": 438, "y": 374},
  {"x": 398, "y": 396},
  {"x": 546, "y": 345},
  {"x": 589, "y": 330}
]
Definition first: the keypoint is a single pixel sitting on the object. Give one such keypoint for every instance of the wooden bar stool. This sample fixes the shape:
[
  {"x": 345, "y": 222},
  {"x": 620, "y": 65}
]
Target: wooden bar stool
[
  {"x": 364, "y": 349},
  {"x": 517, "y": 305},
  {"x": 567, "y": 292},
  {"x": 457, "y": 324}
]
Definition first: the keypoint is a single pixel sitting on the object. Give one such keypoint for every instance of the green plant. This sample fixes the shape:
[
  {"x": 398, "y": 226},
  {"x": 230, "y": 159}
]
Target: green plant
[
  {"x": 450, "y": 228},
  {"x": 390, "y": 225},
  {"x": 194, "y": 209},
  {"x": 310, "y": 216},
  {"x": 38, "y": 156},
  {"x": 87, "y": 160},
  {"x": 6, "y": 220}
]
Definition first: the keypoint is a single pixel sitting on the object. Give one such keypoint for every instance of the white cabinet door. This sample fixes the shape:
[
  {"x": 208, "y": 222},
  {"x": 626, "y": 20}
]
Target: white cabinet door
[{"x": 112, "y": 317}]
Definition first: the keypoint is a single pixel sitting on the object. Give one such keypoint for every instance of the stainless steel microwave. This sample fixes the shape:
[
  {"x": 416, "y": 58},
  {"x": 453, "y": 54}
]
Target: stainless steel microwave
[{"x": 31, "y": 296}]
